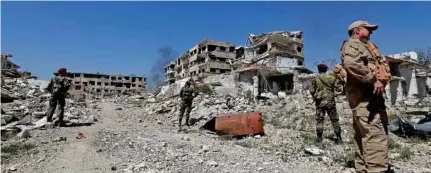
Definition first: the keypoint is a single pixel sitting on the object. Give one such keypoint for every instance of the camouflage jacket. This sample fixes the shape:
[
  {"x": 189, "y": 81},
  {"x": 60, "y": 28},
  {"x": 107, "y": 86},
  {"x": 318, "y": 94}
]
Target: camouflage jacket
[
  {"x": 187, "y": 93},
  {"x": 58, "y": 86},
  {"x": 323, "y": 89}
]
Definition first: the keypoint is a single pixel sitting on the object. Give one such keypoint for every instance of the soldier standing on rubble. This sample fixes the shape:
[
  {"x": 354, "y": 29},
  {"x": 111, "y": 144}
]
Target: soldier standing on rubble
[
  {"x": 323, "y": 92},
  {"x": 187, "y": 95},
  {"x": 364, "y": 90},
  {"x": 58, "y": 87}
]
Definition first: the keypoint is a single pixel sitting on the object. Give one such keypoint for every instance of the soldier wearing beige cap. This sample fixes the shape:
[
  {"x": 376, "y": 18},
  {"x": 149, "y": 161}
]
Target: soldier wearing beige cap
[{"x": 364, "y": 91}]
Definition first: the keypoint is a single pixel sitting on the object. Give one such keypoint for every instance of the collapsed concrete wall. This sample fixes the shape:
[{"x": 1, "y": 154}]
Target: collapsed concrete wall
[
  {"x": 174, "y": 88},
  {"x": 408, "y": 78}
]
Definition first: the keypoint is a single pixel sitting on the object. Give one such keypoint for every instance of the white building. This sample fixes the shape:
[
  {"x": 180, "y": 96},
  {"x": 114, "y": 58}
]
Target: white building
[{"x": 409, "y": 78}]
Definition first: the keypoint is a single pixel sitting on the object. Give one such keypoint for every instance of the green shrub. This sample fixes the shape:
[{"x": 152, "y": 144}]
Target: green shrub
[{"x": 205, "y": 89}]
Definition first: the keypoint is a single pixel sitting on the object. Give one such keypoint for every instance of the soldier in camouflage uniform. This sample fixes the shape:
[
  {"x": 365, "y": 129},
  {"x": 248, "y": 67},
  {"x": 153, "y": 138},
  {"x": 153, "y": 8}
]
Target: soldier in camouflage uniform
[
  {"x": 324, "y": 98},
  {"x": 58, "y": 87},
  {"x": 187, "y": 94}
]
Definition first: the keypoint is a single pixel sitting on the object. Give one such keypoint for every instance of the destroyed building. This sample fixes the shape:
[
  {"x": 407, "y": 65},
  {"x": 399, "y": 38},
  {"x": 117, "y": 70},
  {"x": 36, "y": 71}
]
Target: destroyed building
[
  {"x": 409, "y": 78},
  {"x": 103, "y": 84},
  {"x": 273, "y": 62},
  {"x": 206, "y": 58},
  {"x": 11, "y": 70}
]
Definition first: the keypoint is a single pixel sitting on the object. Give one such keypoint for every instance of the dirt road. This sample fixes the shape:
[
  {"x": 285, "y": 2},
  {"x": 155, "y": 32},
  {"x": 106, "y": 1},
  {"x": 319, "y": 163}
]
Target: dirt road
[{"x": 129, "y": 140}]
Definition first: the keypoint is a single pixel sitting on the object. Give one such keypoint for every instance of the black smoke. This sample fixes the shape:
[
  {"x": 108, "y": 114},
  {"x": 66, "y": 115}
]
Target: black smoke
[{"x": 156, "y": 75}]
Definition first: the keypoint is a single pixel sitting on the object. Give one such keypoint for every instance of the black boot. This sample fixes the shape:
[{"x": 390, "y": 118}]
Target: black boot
[
  {"x": 319, "y": 138},
  {"x": 179, "y": 125},
  {"x": 187, "y": 121},
  {"x": 61, "y": 123},
  {"x": 339, "y": 140}
]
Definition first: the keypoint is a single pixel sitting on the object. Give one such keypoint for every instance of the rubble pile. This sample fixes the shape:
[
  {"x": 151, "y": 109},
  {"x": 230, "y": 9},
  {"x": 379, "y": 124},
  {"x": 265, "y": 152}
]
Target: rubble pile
[{"x": 25, "y": 105}]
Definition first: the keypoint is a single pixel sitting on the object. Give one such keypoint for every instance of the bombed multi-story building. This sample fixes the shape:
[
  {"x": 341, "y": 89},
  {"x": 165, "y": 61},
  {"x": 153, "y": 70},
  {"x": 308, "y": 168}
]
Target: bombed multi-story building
[
  {"x": 11, "y": 70},
  {"x": 273, "y": 62},
  {"x": 103, "y": 84},
  {"x": 206, "y": 58}
]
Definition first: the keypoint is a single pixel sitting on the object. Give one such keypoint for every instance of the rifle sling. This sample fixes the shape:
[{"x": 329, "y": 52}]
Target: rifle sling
[{"x": 324, "y": 83}]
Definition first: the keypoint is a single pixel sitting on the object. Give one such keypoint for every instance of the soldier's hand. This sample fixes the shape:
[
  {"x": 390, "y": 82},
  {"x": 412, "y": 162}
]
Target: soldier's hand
[{"x": 379, "y": 88}]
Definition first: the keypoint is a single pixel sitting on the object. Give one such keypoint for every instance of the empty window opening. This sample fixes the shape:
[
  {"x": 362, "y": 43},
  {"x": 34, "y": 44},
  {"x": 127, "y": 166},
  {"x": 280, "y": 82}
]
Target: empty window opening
[
  {"x": 300, "y": 62},
  {"x": 126, "y": 78},
  {"x": 211, "y": 48},
  {"x": 223, "y": 49},
  {"x": 133, "y": 79},
  {"x": 112, "y": 78},
  {"x": 222, "y": 71},
  {"x": 127, "y": 85},
  {"x": 299, "y": 49},
  {"x": 77, "y": 82},
  {"x": 92, "y": 83},
  {"x": 99, "y": 83},
  {"x": 232, "y": 49},
  {"x": 98, "y": 90},
  {"x": 221, "y": 59},
  {"x": 281, "y": 82},
  {"x": 85, "y": 83},
  {"x": 77, "y": 87},
  {"x": 262, "y": 49},
  {"x": 212, "y": 70},
  {"x": 139, "y": 86},
  {"x": 394, "y": 69},
  {"x": 106, "y": 84}
]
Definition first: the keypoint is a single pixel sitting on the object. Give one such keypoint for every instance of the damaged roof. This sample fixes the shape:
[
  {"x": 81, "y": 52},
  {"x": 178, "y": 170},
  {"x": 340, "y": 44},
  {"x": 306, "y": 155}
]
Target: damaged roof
[{"x": 256, "y": 40}]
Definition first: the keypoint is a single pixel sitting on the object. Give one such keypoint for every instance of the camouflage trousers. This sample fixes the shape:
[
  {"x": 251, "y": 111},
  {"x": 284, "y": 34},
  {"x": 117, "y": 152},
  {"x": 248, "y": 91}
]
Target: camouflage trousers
[
  {"x": 53, "y": 105},
  {"x": 186, "y": 106},
  {"x": 331, "y": 110}
]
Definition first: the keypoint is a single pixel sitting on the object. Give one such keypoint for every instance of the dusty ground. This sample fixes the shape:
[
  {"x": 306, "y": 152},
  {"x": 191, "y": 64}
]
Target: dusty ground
[{"x": 130, "y": 140}]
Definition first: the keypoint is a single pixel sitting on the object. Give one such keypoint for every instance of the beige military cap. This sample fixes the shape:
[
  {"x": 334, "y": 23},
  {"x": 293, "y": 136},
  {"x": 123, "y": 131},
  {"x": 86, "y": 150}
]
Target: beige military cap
[{"x": 363, "y": 24}]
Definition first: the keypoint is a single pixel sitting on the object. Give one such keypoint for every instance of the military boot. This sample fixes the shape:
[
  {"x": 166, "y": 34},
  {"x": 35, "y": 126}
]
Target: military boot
[
  {"x": 339, "y": 140},
  {"x": 61, "y": 123},
  {"x": 179, "y": 125},
  {"x": 187, "y": 121},
  {"x": 319, "y": 138}
]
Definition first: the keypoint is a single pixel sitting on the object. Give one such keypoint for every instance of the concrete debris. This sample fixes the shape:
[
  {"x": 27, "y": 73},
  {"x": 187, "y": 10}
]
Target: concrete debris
[
  {"x": 26, "y": 110},
  {"x": 24, "y": 134},
  {"x": 13, "y": 168},
  {"x": 139, "y": 132},
  {"x": 314, "y": 151}
]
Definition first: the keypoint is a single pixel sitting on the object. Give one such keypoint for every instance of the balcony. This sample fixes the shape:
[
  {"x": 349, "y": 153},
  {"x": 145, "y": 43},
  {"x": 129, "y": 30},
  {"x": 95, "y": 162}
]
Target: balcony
[
  {"x": 229, "y": 55},
  {"x": 170, "y": 71}
]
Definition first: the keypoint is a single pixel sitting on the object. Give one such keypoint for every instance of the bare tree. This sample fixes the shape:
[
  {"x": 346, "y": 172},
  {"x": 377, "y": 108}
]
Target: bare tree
[{"x": 424, "y": 57}]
